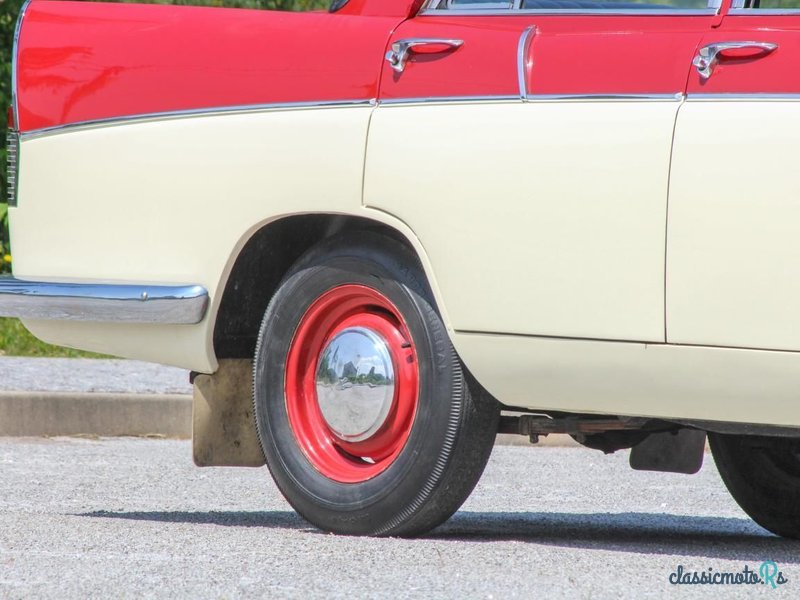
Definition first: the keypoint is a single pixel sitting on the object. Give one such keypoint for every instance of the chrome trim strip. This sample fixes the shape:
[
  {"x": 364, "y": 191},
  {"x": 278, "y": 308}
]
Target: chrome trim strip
[
  {"x": 734, "y": 96},
  {"x": 523, "y": 52},
  {"x": 676, "y": 97},
  {"x": 182, "y": 114},
  {"x": 447, "y": 100},
  {"x": 103, "y": 303},
  {"x": 15, "y": 58},
  {"x": 656, "y": 12},
  {"x": 756, "y": 12},
  {"x": 113, "y": 121}
]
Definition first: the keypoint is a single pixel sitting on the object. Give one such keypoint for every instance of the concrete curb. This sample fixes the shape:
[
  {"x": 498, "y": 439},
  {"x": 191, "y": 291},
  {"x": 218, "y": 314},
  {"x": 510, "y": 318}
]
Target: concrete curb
[
  {"x": 31, "y": 414},
  {"x": 64, "y": 413}
]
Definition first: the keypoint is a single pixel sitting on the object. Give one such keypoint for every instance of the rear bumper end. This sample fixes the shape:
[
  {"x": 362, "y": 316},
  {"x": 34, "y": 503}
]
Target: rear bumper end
[{"x": 102, "y": 303}]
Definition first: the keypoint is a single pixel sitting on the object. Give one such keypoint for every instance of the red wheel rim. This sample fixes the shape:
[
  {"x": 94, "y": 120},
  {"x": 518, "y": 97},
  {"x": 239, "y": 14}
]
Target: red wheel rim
[{"x": 339, "y": 312}]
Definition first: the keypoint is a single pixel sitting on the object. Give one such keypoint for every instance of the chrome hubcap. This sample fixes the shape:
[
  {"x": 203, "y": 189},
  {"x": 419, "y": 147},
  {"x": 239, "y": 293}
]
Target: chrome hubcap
[{"x": 355, "y": 383}]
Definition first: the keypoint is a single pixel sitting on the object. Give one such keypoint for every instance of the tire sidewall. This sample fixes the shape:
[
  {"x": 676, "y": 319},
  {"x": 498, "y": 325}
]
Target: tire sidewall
[
  {"x": 755, "y": 479},
  {"x": 361, "y": 507}
]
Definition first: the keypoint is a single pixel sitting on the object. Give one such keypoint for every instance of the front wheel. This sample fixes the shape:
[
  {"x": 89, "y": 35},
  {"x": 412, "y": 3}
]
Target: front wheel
[
  {"x": 763, "y": 476},
  {"x": 368, "y": 421}
]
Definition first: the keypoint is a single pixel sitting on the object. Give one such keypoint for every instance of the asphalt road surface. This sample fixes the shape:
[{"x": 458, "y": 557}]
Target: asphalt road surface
[{"x": 128, "y": 518}]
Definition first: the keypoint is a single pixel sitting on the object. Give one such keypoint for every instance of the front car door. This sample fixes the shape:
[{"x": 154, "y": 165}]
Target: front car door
[
  {"x": 733, "y": 245},
  {"x": 528, "y": 144}
]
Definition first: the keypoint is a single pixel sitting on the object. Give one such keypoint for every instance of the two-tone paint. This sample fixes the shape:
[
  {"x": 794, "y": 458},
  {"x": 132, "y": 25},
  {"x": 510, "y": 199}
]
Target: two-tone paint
[{"x": 599, "y": 237}]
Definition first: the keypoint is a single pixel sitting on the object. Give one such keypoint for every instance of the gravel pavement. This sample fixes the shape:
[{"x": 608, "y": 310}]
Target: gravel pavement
[
  {"x": 90, "y": 375},
  {"x": 127, "y": 518}
]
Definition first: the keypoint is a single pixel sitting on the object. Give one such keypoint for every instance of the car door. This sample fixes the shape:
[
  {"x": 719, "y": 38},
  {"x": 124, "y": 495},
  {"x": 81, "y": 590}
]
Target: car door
[
  {"x": 733, "y": 246},
  {"x": 527, "y": 144}
]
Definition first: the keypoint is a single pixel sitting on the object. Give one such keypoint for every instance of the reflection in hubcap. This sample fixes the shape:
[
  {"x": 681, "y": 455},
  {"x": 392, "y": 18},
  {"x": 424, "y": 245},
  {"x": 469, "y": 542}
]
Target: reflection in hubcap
[{"x": 355, "y": 384}]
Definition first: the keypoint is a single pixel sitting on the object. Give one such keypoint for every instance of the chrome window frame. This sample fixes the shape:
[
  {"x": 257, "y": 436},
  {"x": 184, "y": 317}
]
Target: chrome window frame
[{"x": 442, "y": 7}]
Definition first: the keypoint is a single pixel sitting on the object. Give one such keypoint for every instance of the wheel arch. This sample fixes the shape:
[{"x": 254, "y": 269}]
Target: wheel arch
[{"x": 267, "y": 251}]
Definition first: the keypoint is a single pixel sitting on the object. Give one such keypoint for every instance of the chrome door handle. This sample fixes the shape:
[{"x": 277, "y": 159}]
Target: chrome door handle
[
  {"x": 401, "y": 50},
  {"x": 708, "y": 56}
]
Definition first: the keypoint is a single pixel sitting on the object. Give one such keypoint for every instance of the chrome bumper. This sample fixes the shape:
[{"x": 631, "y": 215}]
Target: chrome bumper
[{"x": 104, "y": 303}]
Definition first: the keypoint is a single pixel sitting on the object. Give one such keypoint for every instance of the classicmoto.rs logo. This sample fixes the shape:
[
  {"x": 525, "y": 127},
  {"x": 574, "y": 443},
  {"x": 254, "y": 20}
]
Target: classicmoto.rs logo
[{"x": 767, "y": 574}]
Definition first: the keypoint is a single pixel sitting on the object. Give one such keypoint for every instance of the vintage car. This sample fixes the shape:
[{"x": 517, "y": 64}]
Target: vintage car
[{"x": 380, "y": 234}]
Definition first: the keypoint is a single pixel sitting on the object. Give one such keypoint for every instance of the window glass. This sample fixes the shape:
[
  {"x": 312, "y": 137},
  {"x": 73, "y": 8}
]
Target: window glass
[
  {"x": 629, "y": 5},
  {"x": 767, "y": 4},
  {"x": 477, "y": 4}
]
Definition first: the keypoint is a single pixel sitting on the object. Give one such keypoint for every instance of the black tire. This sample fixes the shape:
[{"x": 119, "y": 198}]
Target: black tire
[
  {"x": 763, "y": 476},
  {"x": 452, "y": 433}
]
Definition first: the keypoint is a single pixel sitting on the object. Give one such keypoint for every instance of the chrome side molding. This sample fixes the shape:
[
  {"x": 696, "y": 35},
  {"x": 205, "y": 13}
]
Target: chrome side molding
[
  {"x": 516, "y": 99},
  {"x": 676, "y": 97},
  {"x": 102, "y": 303},
  {"x": 525, "y": 60},
  {"x": 191, "y": 113},
  {"x": 742, "y": 97}
]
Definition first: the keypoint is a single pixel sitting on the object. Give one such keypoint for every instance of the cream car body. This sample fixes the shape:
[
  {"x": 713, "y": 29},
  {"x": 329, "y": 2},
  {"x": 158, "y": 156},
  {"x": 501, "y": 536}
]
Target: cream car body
[{"x": 548, "y": 252}]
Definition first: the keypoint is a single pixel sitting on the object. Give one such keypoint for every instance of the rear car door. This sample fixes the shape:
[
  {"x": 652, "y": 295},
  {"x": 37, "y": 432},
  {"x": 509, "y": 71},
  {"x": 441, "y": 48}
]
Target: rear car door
[
  {"x": 528, "y": 144},
  {"x": 733, "y": 245}
]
